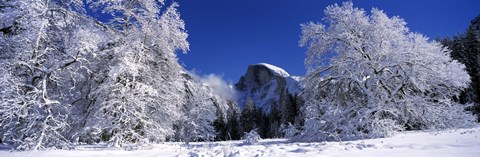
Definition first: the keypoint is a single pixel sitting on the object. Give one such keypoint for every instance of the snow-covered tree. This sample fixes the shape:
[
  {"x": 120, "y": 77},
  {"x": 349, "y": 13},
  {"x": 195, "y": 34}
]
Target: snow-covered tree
[
  {"x": 199, "y": 114},
  {"x": 66, "y": 77},
  {"x": 369, "y": 76},
  {"x": 141, "y": 98},
  {"x": 45, "y": 56}
]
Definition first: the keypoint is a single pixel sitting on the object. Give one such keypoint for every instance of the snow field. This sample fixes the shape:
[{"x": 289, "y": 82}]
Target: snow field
[{"x": 451, "y": 143}]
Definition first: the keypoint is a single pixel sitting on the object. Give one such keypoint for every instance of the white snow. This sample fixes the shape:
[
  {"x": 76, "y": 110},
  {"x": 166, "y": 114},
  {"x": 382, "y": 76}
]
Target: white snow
[
  {"x": 276, "y": 70},
  {"x": 297, "y": 78},
  {"x": 461, "y": 142}
]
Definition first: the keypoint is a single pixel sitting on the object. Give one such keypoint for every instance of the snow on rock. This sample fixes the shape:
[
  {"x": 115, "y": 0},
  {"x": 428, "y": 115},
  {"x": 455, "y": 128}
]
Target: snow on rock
[
  {"x": 276, "y": 70},
  {"x": 461, "y": 142}
]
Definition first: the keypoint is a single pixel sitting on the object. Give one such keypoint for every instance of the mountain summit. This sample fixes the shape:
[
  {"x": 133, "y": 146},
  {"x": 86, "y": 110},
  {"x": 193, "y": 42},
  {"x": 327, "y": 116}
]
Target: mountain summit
[{"x": 266, "y": 84}]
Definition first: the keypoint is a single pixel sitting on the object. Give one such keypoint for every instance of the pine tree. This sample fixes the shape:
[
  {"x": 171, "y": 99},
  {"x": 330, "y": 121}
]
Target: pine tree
[
  {"x": 234, "y": 128},
  {"x": 263, "y": 123},
  {"x": 220, "y": 125},
  {"x": 274, "y": 122},
  {"x": 288, "y": 108},
  {"x": 247, "y": 118}
]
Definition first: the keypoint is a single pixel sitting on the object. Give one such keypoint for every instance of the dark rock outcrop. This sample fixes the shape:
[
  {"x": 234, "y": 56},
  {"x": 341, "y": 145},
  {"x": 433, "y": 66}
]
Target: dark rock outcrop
[{"x": 266, "y": 84}]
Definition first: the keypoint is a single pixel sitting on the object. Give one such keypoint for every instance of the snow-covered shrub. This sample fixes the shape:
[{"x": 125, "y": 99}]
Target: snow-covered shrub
[
  {"x": 369, "y": 76},
  {"x": 251, "y": 137},
  {"x": 290, "y": 131}
]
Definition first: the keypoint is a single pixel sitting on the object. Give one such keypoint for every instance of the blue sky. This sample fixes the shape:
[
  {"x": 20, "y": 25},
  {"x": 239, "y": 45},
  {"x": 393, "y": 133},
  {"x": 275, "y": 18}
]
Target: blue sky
[{"x": 228, "y": 35}]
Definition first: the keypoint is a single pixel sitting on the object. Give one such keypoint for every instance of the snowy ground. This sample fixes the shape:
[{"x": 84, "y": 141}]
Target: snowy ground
[{"x": 463, "y": 142}]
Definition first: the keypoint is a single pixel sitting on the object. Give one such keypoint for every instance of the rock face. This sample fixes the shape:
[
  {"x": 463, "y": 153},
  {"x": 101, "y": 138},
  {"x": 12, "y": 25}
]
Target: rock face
[{"x": 266, "y": 84}]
